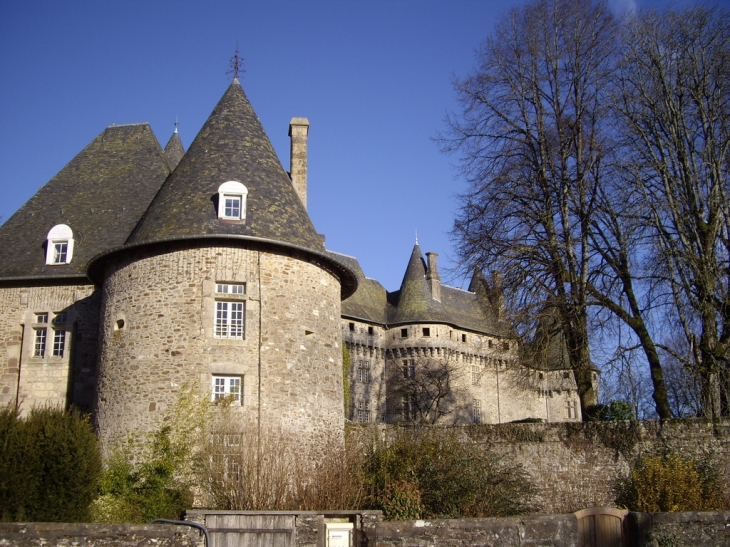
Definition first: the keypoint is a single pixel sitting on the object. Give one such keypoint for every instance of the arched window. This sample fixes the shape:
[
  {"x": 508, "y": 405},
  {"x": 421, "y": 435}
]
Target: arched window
[
  {"x": 60, "y": 247},
  {"x": 232, "y": 201}
]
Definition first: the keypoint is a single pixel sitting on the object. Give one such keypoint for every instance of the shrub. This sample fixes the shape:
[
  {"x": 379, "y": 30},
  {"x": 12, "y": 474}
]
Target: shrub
[
  {"x": 49, "y": 466},
  {"x": 613, "y": 411},
  {"x": 455, "y": 478},
  {"x": 671, "y": 483},
  {"x": 401, "y": 500}
]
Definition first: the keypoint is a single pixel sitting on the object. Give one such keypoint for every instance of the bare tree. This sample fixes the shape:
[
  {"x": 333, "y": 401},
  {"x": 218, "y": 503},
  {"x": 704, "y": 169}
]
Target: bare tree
[
  {"x": 423, "y": 389},
  {"x": 531, "y": 144},
  {"x": 675, "y": 103}
]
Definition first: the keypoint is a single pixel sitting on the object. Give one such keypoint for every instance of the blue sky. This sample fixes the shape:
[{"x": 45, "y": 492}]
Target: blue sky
[{"x": 373, "y": 77}]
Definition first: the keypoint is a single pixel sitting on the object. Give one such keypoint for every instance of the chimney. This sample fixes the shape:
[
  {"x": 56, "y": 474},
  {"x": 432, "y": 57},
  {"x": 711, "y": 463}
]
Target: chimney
[
  {"x": 497, "y": 294},
  {"x": 298, "y": 131},
  {"x": 432, "y": 276}
]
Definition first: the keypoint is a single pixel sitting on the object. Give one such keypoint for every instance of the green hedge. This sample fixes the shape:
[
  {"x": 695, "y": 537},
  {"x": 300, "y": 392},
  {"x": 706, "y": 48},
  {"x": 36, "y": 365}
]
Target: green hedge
[{"x": 49, "y": 466}]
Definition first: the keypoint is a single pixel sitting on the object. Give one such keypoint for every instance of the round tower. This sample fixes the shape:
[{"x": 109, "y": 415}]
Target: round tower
[{"x": 223, "y": 283}]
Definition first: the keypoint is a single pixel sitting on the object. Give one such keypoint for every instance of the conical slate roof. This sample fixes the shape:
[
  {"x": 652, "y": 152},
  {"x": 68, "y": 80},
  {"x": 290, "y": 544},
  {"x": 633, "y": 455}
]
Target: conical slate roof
[
  {"x": 174, "y": 150},
  {"x": 231, "y": 146},
  {"x": 414, "y": 302},
  {"x": 100, "y": 195}
]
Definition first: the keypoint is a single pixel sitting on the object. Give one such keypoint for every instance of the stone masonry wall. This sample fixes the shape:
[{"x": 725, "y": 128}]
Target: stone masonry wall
[
  {"x": 100, "y": 535},
  {"x": 575, "y": 465},
  {"x": 28, "y": 379},
  {"x": 158, "y": 315}
]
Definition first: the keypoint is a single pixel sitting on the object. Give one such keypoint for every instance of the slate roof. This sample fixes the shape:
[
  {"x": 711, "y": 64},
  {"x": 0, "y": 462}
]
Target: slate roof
[
  {"x": 231, "y": 146},
  {"x": 412, "y": 303},
  {"x": 100, "y": 194},
  {"x": 174, "y": 150}
]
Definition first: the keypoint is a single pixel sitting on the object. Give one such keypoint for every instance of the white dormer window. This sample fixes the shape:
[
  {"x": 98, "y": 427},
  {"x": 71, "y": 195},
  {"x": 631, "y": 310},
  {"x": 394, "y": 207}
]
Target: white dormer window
[
  {"x": 60, "y": 245},
  {"x": 232, "y": 200}
]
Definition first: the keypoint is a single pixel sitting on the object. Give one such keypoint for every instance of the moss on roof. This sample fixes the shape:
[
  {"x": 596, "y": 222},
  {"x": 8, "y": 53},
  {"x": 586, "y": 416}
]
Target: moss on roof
[{"x": 100, "y": 194}]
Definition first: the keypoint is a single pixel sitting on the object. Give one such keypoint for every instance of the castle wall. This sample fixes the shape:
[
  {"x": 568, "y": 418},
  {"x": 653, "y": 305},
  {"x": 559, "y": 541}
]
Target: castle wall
[
  {"x": 289, "y": 359},
  {"x": 59, "y": 370}
]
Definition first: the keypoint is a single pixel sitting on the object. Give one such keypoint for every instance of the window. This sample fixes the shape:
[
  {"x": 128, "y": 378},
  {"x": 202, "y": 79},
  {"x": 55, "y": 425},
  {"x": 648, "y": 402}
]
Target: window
[
  {"x": 463, "y": 337},
  {"x": 566, "y": 374},
  {"x": 404, "y": 333},
  {"x": 489, "y": 344},
  {"x": 571, "y": 409},
  {"x": 505, "y": 346},
  {"x": 229, "y": 320},
  {"x": 59, "y": 342},
  {"x": 409, "y": 407},
  {"x": 39, "y": 349},
  {"x": 232, "y": 201},
  {"x": 409, "y": 368},
  {"x": 370, "y": 331},
  {"x": 426, "y": 331},
  {"x": 476, "y": 411},
  {"x": 475, "y": 375},
  {"x": 363, "y": 371},
  {"x": 41, "y": 318},
  {"x": 363, "y": 411},
  {"x": 351, "y": 326},
  {"x": 60, "y": 245},
  {"x": 227, "y": 387},
  {"x": 60, "y": 318},
  {"x": 230, "y": 288}
]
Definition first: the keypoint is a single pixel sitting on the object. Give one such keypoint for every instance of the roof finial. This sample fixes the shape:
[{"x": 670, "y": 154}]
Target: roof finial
[
  {"x": 236, "y": 64},
  {"x": 175, "y": 124},
  {"x": 416, "y": 237}
]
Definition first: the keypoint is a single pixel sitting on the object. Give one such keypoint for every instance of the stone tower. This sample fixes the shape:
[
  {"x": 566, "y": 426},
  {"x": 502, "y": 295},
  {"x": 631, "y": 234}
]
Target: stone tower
[{"x": 223, "y": 282}]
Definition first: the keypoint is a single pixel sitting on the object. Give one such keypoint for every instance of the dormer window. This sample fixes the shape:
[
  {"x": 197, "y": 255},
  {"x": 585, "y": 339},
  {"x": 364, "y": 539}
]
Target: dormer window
[
  {"x": 232, "y": 201},
  {"x": 60, "y": 245}
]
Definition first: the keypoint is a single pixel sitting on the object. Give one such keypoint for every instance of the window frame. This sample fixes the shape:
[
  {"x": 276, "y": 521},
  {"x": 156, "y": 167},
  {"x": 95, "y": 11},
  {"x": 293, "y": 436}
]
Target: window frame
[
  {"x": 363, "y": 372},
  {"x": 40, "y": 341},
  {"x": 59, "y": 342},
  {"x": 59, "y": 235},
  {"x": 227, "y": 382},
  {"x": 223, "y": 327},
  {"x": 231, "y": 190}
]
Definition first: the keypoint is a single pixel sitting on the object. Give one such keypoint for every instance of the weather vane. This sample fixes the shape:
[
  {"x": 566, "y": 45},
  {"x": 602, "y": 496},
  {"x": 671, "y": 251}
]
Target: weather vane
[{"x": 236, "y": 64}]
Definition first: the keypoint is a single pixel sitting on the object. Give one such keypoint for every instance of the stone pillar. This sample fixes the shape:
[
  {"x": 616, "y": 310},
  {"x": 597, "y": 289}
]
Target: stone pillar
[
  {"x": 298, "y": 131},
  {"x": 432, "y": 276}
]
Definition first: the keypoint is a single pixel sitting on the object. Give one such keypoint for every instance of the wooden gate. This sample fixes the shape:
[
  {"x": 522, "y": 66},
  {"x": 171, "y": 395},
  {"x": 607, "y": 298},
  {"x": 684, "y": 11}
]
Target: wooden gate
[
  {"x": 601, "y": 527},
  {"x": 231, "y": 530}
]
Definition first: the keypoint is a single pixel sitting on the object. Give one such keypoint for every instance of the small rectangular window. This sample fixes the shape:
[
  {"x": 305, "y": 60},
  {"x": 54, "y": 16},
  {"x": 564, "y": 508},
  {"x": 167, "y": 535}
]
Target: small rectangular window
[
  {"x": 363, "y": 412},
  {"x": 59, "y": 342},
  {"x": 227, "y": 387},
  {"x": 370, "y": 331},
  {"x": 571, "y": 409},
  {"x": 39, "y": 349},
  {"x": 60, "y": 252},
  {"x": 489, "y": 344},
  {"x": 426, "y": 331},
  {"x": 409, "y": 407},
  {"x": 351, "y": 326},
  {"x": 229, "y": 320},
  {"x": 363, "y": 371},
  {"x": 60, "y": 318},
  {"x": 463, "y": 337},
  {"x": 476, "y": 411},
  {"x": 505, "y": 345},
  {"x": 41, "y": 318},
  {"x": 230, "y": 288},
  {"x": 409, "y": 368},
  {"x": 475, "y": 375},
  {"x": 232, "y": 207},
  {"x": 404, "y": 333}
]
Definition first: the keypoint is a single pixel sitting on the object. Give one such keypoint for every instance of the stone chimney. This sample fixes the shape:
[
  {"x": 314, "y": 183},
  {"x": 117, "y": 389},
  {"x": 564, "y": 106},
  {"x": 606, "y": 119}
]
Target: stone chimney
[
  {"x": 432, "y": 276},
  {"x": 298, "y": 131}
]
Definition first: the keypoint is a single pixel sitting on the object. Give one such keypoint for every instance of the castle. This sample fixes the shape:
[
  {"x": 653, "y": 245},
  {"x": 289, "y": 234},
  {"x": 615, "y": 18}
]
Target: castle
[{"x": 137, "y": 270}]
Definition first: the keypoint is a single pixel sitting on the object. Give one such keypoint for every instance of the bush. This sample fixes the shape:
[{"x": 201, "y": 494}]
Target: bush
[
  {"x": 671, "y": 483},
  {"x": 613, "y": 411},
  {"x": 49, "y": 466},
  {"x": 149, "y": 491},
  {"x": 401, "y": 500},
  {"x": 455, "y": 478}
]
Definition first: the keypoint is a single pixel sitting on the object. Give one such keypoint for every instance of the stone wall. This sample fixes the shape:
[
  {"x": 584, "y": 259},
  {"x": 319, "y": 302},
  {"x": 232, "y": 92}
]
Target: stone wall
[
  {"x": 100, "y": 535},
  {"x": 157, "y": 335},
  {"x": 575, "y": 465},
  {"x": 28, "y": 378},
  {"x": 528, "y": 530}
]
